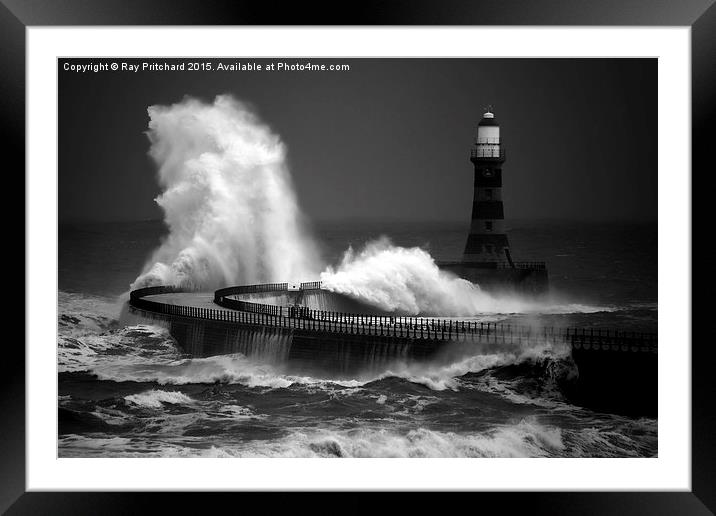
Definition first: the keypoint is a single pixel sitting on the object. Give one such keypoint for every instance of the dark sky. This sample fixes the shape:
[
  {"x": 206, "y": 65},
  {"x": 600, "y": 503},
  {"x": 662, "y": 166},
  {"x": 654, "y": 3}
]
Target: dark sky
[{"x": 390, "y": 138}]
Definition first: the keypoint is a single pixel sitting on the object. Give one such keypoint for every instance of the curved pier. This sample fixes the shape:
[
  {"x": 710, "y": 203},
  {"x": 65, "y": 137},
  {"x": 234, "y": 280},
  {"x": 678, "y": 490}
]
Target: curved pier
[
  {"x": 614, "y": 366},
  {"x": 227, "y": 305}
]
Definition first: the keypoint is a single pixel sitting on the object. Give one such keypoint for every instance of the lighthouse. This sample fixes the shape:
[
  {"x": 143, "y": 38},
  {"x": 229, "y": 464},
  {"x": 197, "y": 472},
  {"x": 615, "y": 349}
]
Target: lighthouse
[
  {"x": 487, "y": 243},
  {"x": 486, "y": 260}
]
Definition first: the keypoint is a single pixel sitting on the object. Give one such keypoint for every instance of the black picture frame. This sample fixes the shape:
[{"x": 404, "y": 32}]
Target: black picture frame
[{"x": 700, "y": 15}]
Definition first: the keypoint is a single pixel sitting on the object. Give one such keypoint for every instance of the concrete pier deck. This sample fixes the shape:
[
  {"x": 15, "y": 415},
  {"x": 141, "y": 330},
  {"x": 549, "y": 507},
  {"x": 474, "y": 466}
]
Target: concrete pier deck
[{"x": 194, "y": 299}]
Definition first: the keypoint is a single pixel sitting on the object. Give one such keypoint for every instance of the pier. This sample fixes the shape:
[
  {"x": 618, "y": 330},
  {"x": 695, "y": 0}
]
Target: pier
[
  {"x": 616, "y": 370},
  {"x": 226, "y": 305}
]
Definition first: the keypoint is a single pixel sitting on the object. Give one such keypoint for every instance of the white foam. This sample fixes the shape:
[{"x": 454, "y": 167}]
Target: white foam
[
  {"x": 440, "y": 377},
  {"x": 525, "y": 438},
  {"x": 231, "y": 369},
  {"x": 227, "y": 198},
  {"x": 130, "y": 345},
  {"x": 81, "y": 314},
  {"x": 155, "y": 398},
  {"x": 408, "y": 281},
  {"x": 114, "y": 357}
]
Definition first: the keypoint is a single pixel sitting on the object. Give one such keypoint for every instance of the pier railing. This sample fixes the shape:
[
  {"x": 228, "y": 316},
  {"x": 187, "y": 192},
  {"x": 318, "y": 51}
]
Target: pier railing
[
  {"x": 249, "y": 289},
  {"x": 137, "y": 297},
  {"x": 153, "y": 291},
  {"x": 303, "y": 318}
]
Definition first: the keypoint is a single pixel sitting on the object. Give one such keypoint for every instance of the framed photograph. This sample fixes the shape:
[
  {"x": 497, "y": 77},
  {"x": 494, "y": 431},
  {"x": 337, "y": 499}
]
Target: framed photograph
[{"x": 429, "y": 248}]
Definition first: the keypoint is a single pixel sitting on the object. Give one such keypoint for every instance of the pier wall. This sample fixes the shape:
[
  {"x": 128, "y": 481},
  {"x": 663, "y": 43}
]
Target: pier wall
[{"x": 301, "y": 350}]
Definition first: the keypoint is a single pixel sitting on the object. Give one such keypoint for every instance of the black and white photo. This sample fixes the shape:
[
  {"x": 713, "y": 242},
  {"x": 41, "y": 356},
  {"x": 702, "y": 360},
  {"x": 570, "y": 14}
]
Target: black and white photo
[{"x": 357, "y": 257}]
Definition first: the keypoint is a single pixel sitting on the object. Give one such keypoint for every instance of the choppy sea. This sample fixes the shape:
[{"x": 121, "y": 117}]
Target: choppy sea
[{"x": 129, "y": 390}]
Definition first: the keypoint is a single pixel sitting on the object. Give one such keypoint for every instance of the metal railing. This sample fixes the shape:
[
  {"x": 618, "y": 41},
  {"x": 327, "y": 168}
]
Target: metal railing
[
  {"x": 490, "y": 153},
  {"x": 533, "y": 266},
  {"x": 536, "y": 266},
  {"x": 153, "y": 291},
  {"x": 249, "y": 289},
  {"x": 304, "y": 318}
]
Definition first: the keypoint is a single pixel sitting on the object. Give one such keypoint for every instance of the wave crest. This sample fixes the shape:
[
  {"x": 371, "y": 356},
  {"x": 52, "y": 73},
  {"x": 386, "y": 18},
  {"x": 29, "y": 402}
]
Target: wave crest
[
  {"x": 156, "y": 398},
  {"x": 227, "y": 198},
  {"x": 407, "y": 281}
]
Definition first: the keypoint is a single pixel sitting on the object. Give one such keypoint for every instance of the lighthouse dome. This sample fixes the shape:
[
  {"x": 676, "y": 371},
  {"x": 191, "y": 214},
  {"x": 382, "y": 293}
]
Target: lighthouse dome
[
  {"x": 488, "y": 134},
  {"x": 488, "y": 118}
]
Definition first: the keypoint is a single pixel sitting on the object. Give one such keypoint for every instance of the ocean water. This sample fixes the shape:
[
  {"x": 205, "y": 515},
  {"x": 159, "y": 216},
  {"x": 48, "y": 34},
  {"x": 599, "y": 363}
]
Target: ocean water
[{"x": 131, "y": 391}]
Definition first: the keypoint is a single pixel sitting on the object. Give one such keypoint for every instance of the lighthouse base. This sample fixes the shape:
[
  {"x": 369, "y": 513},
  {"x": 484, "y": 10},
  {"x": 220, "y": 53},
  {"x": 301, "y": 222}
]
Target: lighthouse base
[{"x": 522, "y": 278}]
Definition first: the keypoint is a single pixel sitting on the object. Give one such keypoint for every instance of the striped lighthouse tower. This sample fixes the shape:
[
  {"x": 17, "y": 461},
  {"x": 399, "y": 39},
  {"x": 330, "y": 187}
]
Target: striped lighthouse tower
[{"x": 487, "y": 244}]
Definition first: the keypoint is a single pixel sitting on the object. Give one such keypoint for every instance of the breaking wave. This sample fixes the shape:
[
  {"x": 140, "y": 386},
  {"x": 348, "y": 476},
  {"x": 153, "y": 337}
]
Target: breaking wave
[
  {"x": 524, "y": 438},
  {"x": 407, "y": 281},
  {"x": 227, "y": 198},
  {"x": 156, "y": 398}
]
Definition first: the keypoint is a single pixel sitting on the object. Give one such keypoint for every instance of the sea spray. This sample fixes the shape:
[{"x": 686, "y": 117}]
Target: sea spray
[
  {"x": 444, "y": 371},
  {"x": 408, "y": 281},
  {"x": 227, "y": 198},
  {"x": 402, "y": 280}
]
